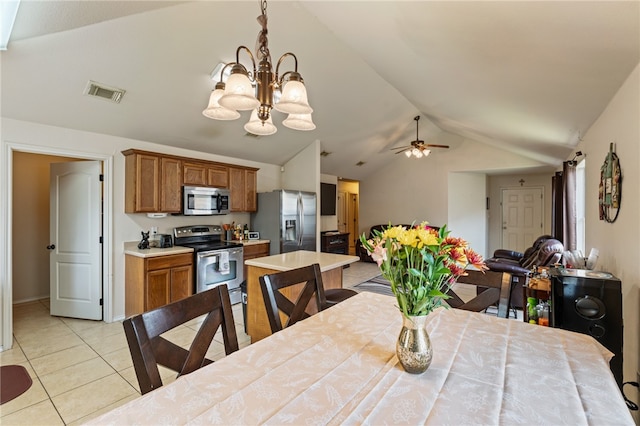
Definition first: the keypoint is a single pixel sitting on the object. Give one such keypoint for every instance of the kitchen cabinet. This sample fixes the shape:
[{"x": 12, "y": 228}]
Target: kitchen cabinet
[
  {"x": 253, "y": 251},
  {"x": 170, "y": 185},
  {"x": 156, "y": 281},
  {"x": 152, "y": 183},
  {"x": 203, "y": 174},
  {"x": 242, "y": 184}
]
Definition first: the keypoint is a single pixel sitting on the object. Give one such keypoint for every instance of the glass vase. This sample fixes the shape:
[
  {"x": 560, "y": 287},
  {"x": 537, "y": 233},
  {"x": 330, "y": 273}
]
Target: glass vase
[{"x": 414, "y": 346}]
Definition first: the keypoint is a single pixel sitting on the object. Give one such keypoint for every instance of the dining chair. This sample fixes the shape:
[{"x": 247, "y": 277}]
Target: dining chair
[
  {"x": 279, "y": 297},
  {"x": 148, "y": 348},
  {"x": 497, "y": 287}
]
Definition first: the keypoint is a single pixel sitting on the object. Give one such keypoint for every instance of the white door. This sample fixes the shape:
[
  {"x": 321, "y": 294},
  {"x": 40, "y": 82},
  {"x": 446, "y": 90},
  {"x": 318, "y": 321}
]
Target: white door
[
  {"x": 75, "y": 210},
  {"x": 521, "y": 217}
]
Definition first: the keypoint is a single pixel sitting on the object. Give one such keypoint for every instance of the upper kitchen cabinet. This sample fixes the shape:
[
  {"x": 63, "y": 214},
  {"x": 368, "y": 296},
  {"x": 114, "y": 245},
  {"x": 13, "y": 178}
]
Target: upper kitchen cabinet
[
  {"x": 203, "y": 174},
  {"x": 152, "y": 183},
  {"x": 242, "y": 184}
]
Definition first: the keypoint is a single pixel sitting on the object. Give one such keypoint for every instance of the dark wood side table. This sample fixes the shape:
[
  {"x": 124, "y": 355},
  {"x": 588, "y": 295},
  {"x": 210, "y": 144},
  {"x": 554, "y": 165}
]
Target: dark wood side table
[{"x": 333, "y": 242}]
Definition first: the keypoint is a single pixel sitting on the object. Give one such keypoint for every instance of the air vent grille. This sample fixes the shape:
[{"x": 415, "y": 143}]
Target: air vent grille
[{"x": 102, "y": 91}]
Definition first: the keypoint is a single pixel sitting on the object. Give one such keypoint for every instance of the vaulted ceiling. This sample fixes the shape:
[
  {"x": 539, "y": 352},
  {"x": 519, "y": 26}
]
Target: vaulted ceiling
[{"x": 526, "y": 77}]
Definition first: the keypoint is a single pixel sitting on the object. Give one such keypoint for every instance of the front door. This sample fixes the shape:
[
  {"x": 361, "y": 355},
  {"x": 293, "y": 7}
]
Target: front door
[
  {"x": 75, "y": 213},
  {"x": 521, "y": 217}
]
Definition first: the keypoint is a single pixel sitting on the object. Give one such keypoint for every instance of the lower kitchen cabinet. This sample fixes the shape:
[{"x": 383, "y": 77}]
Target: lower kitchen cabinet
[
  {"x": 156, "y": 281},
  {"x": 254, "y": 250}
]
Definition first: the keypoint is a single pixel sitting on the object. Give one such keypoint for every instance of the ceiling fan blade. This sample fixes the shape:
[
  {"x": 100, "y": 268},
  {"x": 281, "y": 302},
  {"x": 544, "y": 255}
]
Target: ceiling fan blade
[
  {"x": 436, "y": 146},
  {"x": 401, "y": 148}
]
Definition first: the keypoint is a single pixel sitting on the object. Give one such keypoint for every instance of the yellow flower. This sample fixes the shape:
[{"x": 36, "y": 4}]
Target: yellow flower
[{"x": 421, "y": 263}]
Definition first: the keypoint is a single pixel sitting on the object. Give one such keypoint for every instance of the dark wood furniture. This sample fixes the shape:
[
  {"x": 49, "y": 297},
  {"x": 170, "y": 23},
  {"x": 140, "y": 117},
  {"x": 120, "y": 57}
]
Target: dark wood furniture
[
  {"x": 155, "y": 281},
  {"x": 278, "y": 304},
  {"x": 335, "y": 242},
  {"x": 148, "y": 348},
  {"x": 497, "y": 289}
]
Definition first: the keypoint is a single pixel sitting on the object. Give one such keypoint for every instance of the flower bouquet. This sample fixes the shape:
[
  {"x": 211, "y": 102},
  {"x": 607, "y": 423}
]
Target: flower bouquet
[{"x": 421, "y": 263}]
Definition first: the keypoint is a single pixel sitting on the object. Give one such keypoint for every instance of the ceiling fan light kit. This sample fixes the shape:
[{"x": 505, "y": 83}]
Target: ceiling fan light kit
[
  {"x": 417, "y": 148},
  {"x": 260, "y": 90}
]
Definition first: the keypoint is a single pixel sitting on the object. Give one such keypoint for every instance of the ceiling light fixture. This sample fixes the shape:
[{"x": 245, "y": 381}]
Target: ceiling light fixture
[
  {"x": 260, "y": 90},
  {"x": 417, "y": 148}
]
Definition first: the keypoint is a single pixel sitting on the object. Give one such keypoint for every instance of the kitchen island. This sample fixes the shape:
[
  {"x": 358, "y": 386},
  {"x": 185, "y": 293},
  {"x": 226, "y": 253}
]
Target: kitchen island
[{"x": 331, "y": 265}]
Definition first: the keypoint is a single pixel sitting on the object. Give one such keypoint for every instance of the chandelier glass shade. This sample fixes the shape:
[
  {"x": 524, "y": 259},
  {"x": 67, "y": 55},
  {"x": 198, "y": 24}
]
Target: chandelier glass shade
[
  {"x": 215, "y": 110},
  {"x": 299, "y": 122},
  {"x": 261, "y": 90},
  {"x": 259, "y": 127}
]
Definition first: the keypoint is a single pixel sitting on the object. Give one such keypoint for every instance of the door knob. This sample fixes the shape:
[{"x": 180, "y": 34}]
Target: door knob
[{"x": 51, "y": 247}]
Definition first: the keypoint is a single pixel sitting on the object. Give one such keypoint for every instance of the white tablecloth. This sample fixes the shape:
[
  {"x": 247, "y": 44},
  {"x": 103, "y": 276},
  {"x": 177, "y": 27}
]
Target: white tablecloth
[{"x": 339, "y": 367}]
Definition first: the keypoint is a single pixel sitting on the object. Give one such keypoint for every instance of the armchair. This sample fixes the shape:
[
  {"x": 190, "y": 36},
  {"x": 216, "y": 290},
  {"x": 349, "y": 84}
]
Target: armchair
[{"x": 545, "y": 251}]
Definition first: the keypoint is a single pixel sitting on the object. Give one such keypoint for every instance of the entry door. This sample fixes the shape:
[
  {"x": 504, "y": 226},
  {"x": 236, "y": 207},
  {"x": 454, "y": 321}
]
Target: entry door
[
  {"x": 521, "y": 217},
  {"x": 75, "y": 210}
]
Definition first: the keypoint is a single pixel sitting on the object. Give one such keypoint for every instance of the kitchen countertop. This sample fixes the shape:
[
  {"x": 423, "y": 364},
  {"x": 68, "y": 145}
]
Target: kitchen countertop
[
  {"x": 131, "y": 248},
  {"x": 300, "y": 258}
]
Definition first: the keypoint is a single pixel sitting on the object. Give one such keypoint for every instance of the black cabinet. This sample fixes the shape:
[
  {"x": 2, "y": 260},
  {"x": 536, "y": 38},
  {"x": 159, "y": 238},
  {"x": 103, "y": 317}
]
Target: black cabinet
[
  {"x": 590, "y": 302},
  {"x": 335, "y": 242}
]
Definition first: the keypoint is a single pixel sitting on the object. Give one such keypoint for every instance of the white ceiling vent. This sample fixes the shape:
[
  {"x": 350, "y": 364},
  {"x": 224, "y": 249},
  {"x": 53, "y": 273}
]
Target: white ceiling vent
[{"x": 100, "y": 90}]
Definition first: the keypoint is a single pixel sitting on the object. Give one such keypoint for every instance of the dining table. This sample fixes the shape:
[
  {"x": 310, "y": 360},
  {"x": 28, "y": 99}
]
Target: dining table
[{"x": 339, "y": 366}]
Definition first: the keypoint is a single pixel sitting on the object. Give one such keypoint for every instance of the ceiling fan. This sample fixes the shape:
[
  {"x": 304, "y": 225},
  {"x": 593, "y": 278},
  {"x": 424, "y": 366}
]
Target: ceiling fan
[{"x": 417, "y": 148}]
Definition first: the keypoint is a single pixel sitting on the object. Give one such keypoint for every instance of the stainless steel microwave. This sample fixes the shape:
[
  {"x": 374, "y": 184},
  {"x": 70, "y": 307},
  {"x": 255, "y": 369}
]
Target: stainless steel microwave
[{"x": 203, "y": 201}]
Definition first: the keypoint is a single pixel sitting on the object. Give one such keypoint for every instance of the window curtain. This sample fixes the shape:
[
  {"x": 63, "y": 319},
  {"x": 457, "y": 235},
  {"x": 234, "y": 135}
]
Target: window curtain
[{"x": 563, "y": 211}]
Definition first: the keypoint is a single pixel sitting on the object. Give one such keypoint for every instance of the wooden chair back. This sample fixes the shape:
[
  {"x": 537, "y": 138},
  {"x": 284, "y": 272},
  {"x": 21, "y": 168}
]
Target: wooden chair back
[
  {"x": 277, "y": 301},
  {"x": 148, "y": 348},
  {"x": 497, "y": 289}
]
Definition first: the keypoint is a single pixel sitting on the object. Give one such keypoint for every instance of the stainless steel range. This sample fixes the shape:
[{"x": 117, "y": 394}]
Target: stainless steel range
[{"x": 216, "y": 262}]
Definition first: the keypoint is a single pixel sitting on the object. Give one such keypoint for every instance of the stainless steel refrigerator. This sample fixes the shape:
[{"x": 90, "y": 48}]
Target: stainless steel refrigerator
[{"x": 286, "y": 218}]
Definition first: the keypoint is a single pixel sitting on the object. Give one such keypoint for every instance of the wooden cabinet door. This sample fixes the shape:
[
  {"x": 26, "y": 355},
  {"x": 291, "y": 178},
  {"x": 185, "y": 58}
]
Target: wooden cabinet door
[
  {"x": 157, "y": 292},
  {"x": 181, "y": 282},
  {"x": 170, "y": 185},
  {"x": 236, "y": 188},
  {"x": 218, "y": 176},
  {"x": 251, "y": 198},
  {"x": 147, "y": 178},
  {"x": 195, "y": 174}
]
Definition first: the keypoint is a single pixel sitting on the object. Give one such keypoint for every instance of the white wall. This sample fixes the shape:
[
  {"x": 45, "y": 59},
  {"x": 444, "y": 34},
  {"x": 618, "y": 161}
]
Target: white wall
[
  {"x": 618, "y": 242},
  {"x": 25, "y": 136},
  {"x": 410, "y": 189},
  {"x": 302, "y": 172},
  {"x": 467, "y": 214}
]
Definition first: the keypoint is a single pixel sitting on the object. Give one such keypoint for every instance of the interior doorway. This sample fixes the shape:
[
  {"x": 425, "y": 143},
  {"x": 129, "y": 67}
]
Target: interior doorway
[
  {"x": 348, "y": 211},
  {"x": 13, "y": 211}
]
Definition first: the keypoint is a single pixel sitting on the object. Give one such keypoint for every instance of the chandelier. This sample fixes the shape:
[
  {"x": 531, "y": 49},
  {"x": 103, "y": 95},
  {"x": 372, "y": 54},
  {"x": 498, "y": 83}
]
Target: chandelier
[{"x": 260, "y": 90}]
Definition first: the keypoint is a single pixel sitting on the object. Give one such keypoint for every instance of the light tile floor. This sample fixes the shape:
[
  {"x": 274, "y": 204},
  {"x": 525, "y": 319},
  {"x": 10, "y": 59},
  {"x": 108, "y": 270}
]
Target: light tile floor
[{"x": 82, "y": 368}]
